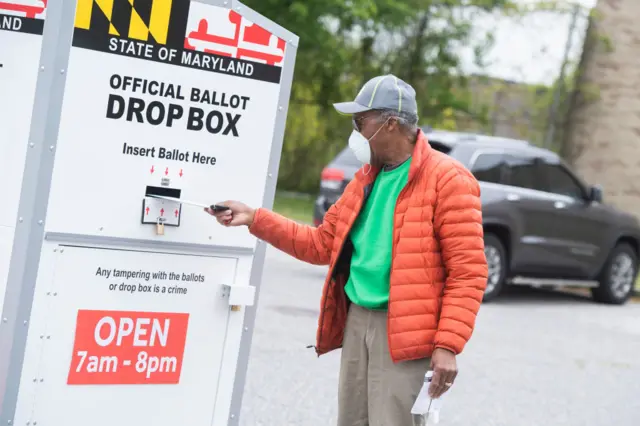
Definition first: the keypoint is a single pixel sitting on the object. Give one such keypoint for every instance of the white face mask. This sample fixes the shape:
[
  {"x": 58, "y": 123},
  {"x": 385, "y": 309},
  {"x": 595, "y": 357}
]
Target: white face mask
[{"x": 360, "y": 145}]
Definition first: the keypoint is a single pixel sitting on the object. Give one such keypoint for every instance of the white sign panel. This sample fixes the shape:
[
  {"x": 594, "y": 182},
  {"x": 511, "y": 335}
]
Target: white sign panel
[
  {"x": 142, "y": 332},
  {"x": 173, "y": 98},
  {"x": 21, "y": 25},
  {"x": 124, "y": 306}
]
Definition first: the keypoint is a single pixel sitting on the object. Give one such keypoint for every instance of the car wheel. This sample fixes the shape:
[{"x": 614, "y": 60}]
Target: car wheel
[
  {"x": 618, "y": 276},
  {"x": 496, "y": 256}
]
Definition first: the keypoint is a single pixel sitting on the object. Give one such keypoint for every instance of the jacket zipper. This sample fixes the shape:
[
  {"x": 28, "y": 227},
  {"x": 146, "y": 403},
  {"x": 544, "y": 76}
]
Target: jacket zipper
[
  {"x": 393, "y": 256},
  {"x": 326, "y": 289}
]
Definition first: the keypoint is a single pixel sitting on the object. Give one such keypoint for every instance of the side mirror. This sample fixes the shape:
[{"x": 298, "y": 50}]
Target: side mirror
[{"x": 595, "y": 194}]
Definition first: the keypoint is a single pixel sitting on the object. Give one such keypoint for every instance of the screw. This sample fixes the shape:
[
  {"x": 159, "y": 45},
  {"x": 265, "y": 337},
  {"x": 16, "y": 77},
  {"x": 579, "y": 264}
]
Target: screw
[
  {"x": 55, "y": 250},
  {"x": 40, "y": 222},
  {"x": 61, "y": 71},
  {"x": 42, "y": 68},
  {"x": 246, "y": 329},
  {"x": 24, "y": 323},
  {"x": 51, "y": 148},
  {"x": 270, "y": 175},
  {"x": 4, "y": 320},
  {"x": 20, "y": 219},
  {"x": 55, "y": 294},
  {"x": 279, "y": 108},
  {"x": 32, "y": 145},
  {"x": 61, "y": 250},
  {"x": 101, "y": 228}
]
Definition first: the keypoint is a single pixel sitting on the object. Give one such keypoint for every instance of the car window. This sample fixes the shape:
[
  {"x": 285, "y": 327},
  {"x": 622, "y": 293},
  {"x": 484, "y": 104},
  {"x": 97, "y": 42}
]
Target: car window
[
  {"x": 445, "y": 149},
  {"x": 489, "y": 167},
  {"x": 523, "y": 172},
  {"x": 559, "y": 181}
]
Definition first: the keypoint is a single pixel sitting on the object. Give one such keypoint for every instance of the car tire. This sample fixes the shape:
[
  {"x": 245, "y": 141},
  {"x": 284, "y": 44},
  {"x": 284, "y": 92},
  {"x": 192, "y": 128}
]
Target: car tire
[
  {"x": 618, "y": 276},
  {"x": 496, "y": 256}
]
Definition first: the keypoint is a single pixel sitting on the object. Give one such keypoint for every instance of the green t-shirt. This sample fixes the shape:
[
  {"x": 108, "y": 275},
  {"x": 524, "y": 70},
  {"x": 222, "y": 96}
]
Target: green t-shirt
[{"x": 372, "y": 238}]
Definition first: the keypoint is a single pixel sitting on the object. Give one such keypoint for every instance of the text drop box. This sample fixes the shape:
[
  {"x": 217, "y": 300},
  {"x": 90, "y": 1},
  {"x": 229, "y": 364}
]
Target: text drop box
[{"x": 123, "y": 347}]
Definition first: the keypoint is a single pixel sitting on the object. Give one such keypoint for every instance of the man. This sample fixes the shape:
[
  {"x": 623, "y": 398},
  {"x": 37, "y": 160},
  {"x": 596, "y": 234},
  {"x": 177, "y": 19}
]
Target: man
[{"x": 405, "y": 250}]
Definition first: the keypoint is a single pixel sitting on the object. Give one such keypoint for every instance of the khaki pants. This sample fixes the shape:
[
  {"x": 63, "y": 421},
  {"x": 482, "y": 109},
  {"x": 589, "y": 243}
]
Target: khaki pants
[{"x": 373, "y": 391}]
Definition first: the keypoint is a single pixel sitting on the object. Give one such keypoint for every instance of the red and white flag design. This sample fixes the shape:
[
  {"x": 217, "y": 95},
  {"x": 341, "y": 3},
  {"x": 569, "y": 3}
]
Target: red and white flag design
[
  {"x": 226, "y": 33},
  {"x": 24, "y": 8}
]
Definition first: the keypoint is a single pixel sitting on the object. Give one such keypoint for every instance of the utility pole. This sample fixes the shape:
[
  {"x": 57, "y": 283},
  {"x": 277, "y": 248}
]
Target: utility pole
[{"x": 559, "y": 87}]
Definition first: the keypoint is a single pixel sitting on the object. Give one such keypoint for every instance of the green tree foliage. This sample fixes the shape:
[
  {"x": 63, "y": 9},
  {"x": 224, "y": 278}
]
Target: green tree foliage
[{"x": 345, "y": 42}]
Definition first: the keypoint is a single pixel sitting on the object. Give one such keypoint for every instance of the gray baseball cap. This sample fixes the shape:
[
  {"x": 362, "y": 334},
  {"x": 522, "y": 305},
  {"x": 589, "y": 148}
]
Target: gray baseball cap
[{"x": 382, "y": 92}]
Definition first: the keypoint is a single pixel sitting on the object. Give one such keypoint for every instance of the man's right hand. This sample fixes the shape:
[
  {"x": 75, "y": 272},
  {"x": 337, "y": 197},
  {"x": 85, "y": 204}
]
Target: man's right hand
[{"x": 238, "y": 214}]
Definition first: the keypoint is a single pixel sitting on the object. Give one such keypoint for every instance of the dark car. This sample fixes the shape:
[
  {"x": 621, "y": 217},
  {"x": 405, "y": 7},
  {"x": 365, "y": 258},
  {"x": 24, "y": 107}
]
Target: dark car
[{"x": 542, "y": 225}]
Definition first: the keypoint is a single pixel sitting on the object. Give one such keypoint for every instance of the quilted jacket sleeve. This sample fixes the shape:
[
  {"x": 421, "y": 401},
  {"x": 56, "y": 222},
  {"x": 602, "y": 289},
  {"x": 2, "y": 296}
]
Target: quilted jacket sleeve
[
  {"x": 458, "y": 226},
  {"x": 304, "y": 242}
]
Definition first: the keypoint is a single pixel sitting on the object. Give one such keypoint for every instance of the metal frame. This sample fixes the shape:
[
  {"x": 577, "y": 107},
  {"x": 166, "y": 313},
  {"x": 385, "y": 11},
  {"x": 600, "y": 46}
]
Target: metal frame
[
  {"x": 34, "y": 196},
  {"x": 36, "y": 185},
  {"x": 269, "y": 194}
]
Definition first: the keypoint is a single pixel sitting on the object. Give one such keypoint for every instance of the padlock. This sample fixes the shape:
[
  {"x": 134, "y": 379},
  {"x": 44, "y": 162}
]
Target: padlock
[{"x": 159, "y": 227}]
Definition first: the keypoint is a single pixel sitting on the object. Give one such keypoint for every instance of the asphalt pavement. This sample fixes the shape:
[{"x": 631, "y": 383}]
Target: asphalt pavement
[{"x": 537, "y": 358}]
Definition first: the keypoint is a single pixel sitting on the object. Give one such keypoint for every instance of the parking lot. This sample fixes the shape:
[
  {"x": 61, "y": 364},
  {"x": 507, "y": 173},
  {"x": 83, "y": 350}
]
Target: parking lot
[{"x": 537, "y": 358}]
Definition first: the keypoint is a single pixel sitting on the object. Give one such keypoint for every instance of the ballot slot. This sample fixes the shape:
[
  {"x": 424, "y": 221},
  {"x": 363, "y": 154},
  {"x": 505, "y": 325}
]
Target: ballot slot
[{"x": 161, "y": 212}]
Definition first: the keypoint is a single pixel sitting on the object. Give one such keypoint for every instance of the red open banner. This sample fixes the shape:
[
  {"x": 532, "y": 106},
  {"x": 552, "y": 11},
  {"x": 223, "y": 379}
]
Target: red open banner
[{"x": 122, "y": 347}]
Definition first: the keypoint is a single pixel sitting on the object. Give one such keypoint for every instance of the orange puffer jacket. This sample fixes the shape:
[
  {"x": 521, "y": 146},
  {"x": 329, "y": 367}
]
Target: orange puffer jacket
[{"x": 438, "y": 271}]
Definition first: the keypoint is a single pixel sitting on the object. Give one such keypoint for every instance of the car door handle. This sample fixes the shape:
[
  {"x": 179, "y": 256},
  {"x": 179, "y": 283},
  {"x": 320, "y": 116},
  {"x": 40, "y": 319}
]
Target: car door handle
[
  {"x": 513, "y": 197},
  {"x": 559, "y": 205}
]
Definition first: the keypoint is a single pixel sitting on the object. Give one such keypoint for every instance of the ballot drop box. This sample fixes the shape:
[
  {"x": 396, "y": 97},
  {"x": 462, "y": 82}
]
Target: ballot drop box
[{"x": 120, "y": 304}]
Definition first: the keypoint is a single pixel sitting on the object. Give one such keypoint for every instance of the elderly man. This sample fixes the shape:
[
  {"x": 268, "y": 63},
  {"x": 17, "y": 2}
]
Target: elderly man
[{"x": 405, "y": 250}]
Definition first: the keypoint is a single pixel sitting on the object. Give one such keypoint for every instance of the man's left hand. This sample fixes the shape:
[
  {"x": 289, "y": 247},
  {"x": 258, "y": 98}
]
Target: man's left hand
[{"x": 445, "y": 370}]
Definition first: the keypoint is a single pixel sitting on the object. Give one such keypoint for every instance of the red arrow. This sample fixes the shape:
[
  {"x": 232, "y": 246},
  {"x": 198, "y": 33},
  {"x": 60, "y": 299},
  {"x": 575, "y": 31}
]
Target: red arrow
[
  {"x": 166, "y": 172},
  {"x": 152, "y": 170},
  {"x": 180, "y": 172},
  {"x": 177, "y": 212},
  {"x": 161, "y": 212},
  {"x": 147, "y": 209}
]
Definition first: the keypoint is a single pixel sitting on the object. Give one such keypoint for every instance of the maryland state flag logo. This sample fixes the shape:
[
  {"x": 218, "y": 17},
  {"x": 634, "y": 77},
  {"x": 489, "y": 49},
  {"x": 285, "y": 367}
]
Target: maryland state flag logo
[
  {"x": 159, "y": 22},
  {"x": 180, "y": 32}
]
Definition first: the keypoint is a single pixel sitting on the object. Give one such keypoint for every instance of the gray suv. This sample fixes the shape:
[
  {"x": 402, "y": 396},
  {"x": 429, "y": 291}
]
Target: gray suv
[{"x": 543, "y": 226}]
